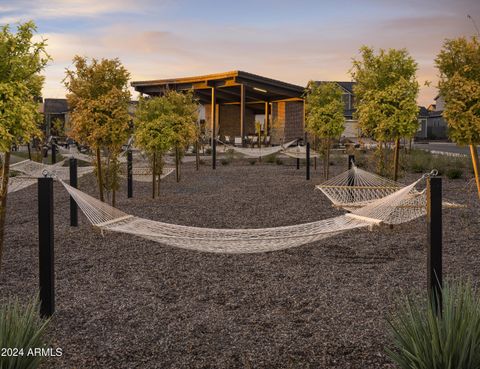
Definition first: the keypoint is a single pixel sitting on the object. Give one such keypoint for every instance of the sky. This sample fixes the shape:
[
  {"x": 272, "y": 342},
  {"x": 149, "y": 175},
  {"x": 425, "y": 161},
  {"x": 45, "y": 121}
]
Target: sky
[{"x": 293, "y": 41}]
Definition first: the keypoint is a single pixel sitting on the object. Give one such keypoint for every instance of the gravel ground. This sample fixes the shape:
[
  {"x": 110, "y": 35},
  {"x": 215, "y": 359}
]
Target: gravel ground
[{"x": 124, "y": 302}]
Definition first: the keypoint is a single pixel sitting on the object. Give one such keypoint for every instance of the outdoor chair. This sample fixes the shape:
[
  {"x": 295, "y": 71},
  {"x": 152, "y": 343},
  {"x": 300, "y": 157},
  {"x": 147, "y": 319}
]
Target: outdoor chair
[{"x": 238, "y": 141}]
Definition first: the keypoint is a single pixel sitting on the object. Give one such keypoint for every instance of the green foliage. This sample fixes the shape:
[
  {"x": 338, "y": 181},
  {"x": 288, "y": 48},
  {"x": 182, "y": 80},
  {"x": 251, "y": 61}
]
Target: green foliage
[
  {"x": 271, "y": 158},
  {"x": 166, "y": 122},
  {"x": 454, "y": 173},
  {"x": 21, "y": 61},
  {"x": 324, "y": 110},
  {"x": 424, "y": 340},
  {"x": 278, "y": 161},
  {"x": 225, "y": 161},
  {"x": 459, "y": 84},
  {"x": 21, "y": 328},
  {"x": 252, "y": 161},
  {"x": 386, "y": 93},
  {"x": 98, "y": 95}
]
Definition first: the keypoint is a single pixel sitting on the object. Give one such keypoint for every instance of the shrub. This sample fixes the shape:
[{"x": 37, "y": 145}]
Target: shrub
[
  {"x": 208, "y": 151},
  {"x": 224, "y": 161},
  {"x": 21, "y": 328},
  {"x": 201, "y": 162},
  {"x": 252, "y": 161},
  {"x": 278, "y": 161},
  {"x": 271, "y": 159},
  {"x": 454, "y": 173},
  {"x": 424, "y": 340}
]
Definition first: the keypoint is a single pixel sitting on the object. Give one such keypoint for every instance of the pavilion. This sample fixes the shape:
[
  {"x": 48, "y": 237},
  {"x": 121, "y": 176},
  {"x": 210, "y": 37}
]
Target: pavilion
[{"x": 232, "y": 99}]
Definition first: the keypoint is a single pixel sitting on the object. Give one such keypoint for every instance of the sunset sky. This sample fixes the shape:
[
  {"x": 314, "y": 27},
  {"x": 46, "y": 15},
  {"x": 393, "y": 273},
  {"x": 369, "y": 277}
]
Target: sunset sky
[{"x": 293, "y": 41}]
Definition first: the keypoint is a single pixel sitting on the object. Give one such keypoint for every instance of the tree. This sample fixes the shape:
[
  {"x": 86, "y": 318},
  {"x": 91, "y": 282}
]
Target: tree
[
  {"x": 153, "y": 134},
  {"x": 386, "y": 92},
  {"x": 324, "y": 114},
  {"x": 21, "y": 61},
  {"x": 99, "y": 97},
  {"x": 163, "y": 123},
  {"x": 459, "y": 66},
  {"x": 182, "y": 114}
]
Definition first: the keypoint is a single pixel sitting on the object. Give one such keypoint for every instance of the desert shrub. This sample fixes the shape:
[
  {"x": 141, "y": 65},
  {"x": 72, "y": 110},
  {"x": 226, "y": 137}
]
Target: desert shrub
[
  {"x": 454, "y": 173},
  {"x": 279, "y": 161},
  {"x": 224, "y": 161},
  {"x": 419, "y": 161},
  {"x": 201, "y": 162},
  {"x": 208, "y": 151},
  {"x": 21, "y": 328},
  {"x": 252, "y": 161},
  {"x": 424, "y": 340},
  {"x": 271, "y": 159}
]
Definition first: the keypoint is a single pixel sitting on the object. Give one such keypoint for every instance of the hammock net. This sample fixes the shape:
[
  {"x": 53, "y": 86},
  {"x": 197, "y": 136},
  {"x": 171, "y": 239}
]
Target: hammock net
[{"x": 397, "y": 207}]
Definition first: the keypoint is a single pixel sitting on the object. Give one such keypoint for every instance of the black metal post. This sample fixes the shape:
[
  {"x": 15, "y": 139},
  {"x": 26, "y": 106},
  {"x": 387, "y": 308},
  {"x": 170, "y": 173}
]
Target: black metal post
[
  {"x": 308, "y": 160},
  {"x": 73, "y": 183},
  {"x": 129, "y": 174},
  {"x": 214, "y": 153},
  {"x": 298, "y": 163},
  {"x": 29, "y": 151},
  {"x": 54, "y": 153},
  {"x": 434, "y": 237},
  {"x": 46, "y": 246},
  {"x": 351, "y": 161}
]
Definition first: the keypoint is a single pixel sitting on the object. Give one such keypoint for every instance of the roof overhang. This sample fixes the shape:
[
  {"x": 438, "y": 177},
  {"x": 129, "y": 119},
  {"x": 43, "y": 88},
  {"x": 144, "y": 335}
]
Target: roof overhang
[{"x": 258, "y": 89}]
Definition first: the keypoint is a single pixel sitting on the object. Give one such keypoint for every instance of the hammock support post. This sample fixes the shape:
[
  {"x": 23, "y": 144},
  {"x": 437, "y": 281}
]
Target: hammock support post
[
  {"x": 129, "y": 174},
  {"x": 46, "y": 246},
  {"x": 73, "y": 183},
  {"x": 298, "y": 163},
  {"x": 351, "y": 161},
  {"x": 54, "y": 153},
  {"x": 434, "y": 239},
  {"x": 307, "y": 156}
]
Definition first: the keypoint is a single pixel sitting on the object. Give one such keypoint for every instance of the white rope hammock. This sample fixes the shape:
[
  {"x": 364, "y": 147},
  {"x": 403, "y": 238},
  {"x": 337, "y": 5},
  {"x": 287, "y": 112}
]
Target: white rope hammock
[
  {"x": 145, "y": 174},
  {"x": 34, "y": 169},
  {"x": 300, "y": 152},
  {"x": 392, "y": 209},
  {"x": 259, "y": 152}
]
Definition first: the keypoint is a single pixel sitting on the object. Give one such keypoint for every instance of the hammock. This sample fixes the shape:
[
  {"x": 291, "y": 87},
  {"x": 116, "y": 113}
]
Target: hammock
[
  {"x": 392, "y": 209},
  {"x": 32, "y": 170},
  {"x": 72, "y": 152},
  {"x": 300, "y": 152},
  {"x": 145, "y": 174},
  {"x": 259, "y": 152}
]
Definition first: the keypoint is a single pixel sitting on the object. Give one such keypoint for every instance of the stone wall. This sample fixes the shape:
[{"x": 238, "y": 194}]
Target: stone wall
[
  {"x": 287, "y": 121},
  {"x": 228, "y": 120}
]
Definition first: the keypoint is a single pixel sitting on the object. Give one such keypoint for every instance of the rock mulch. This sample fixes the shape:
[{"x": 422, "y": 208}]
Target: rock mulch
[{"x": 124, "y": 302}]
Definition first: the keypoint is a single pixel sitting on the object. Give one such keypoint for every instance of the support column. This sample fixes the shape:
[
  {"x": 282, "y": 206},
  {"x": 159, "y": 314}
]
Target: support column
[
  {"x": 242, "y": 112},
  {"x": 73, "y": 183},
  {"x": 265, "y": 128},
  {"x": 213, "y": 116},
  {"x": 46, "y": 239},
  {"x": 434, "y": 236},
  {"x": 307, "y": 155}
]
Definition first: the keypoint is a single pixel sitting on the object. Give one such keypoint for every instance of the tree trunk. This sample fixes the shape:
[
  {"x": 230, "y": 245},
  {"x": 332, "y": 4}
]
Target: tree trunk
[
  {"x": 158, "y": 184},
  {"x": 3, "y": 200},
  {"x": 154, "y": 171},
  {"x": 29, "y": 151},
  {"x": 177, "y": 164},
  {"x": 328, "y": 158},
  {"x": 476, "y": 169},
  {"x": 99, "y": 175},
  {"x": 197, "y": 155},
  {"x": 380, "y": 158},
  {"x": 396, "y": 158}
]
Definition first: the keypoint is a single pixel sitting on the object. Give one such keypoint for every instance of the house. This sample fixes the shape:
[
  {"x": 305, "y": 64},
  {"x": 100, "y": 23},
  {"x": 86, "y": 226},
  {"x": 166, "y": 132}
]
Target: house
[{"x": 432, "y": 124}]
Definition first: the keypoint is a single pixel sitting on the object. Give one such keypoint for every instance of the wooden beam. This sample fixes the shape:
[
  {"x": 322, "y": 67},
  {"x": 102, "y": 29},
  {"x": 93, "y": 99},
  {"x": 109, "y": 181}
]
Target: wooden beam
[
  {"x": 214, "y": 118},
  {"x": 265, "y": 127}
]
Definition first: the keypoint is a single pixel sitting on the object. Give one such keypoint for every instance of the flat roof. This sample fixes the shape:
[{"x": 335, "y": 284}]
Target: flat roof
[{"x": 227, "y": 86}]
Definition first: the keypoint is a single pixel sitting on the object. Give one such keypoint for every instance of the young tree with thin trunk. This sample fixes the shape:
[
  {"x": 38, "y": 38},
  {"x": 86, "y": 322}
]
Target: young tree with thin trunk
[
  {"x": 99, "y": 97},
  {"x": 154, "y": 134},
  {"x": 459, "y": 66},
  {"x": 183, "y": 110},
  {"x": 324, "y": 115},
  {"x": 21, "y": 61},
  {"x": 386, "y": 90}
]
